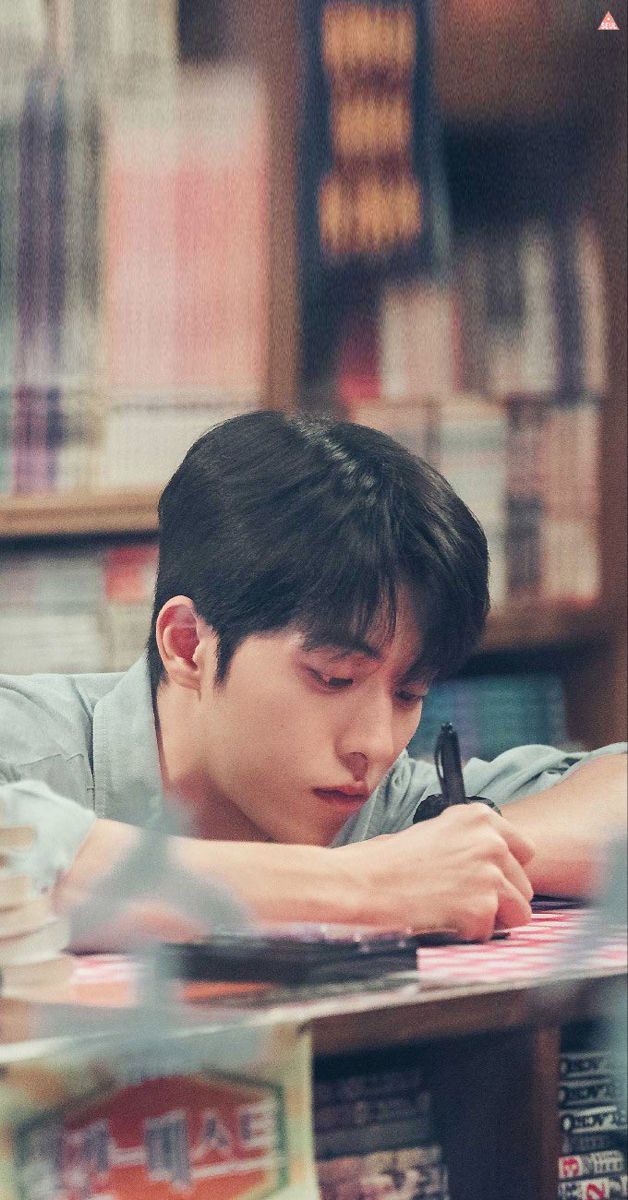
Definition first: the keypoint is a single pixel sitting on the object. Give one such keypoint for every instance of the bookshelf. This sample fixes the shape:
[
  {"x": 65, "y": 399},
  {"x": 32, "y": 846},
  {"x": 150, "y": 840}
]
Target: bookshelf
[
  {"x": 496, "y": 66},
  {"x": 480, "y": 1040},
  {"x": 488, "y": 1053}
]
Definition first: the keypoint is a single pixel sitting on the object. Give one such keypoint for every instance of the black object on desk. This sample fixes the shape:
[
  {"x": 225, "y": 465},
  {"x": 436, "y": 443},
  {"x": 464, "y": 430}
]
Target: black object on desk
[
  {"x": 293, "y": 960},
  {"x": 449, "y": 772}
]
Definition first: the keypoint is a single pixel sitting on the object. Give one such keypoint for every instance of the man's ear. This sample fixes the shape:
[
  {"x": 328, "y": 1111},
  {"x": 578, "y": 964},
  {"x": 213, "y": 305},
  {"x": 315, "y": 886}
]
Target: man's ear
[{"x": 180, "y": 635}]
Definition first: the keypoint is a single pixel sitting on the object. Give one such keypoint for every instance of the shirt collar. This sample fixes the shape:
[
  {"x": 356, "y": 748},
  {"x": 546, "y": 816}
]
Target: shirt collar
[{"x": 127, "y": 778}]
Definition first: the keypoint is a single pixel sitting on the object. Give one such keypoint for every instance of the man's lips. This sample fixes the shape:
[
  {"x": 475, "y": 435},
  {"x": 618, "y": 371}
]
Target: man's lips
[{"x": 349, "y": 797}]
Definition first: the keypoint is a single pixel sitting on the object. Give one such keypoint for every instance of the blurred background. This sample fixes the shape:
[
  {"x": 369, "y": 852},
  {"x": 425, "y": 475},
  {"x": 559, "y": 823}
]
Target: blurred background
[{"x": 410, "y": 214}]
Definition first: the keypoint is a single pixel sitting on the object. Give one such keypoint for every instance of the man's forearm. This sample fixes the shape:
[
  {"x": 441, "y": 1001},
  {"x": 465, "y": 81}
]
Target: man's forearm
[
  {"x": 571, "y": 823},
  {"x": 276, "y": 882}
]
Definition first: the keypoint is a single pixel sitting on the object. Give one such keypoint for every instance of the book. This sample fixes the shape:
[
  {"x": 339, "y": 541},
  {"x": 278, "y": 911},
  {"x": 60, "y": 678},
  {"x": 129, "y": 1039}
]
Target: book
[
  {"x": 100, "y": 311},
  {"x": 587, "y": 1062},
  {"x": 603, "y": 1187},
  {"x": 578, "y": 1166},
  {"x": 583, "y": 1092},
  {"x": 378, "y": 1177},
  {"x": 76, "y": 610},
  {"x": 373, "y": 1129},
  {"x": 591, "y": 1141},
  {"x": 598, "y": 1116}
]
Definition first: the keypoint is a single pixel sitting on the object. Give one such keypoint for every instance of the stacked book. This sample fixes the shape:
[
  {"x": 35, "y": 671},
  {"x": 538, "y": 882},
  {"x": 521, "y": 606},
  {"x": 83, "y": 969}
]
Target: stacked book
[
  {"x": 75, "y": 610},
  {"x": 374, "y": 1135},
  {"x": 32, "y": 939},
  {"x": 134, "y": 223},
  {"x": 494, "y": 713},
  {"x": 522, "y": 313},
  {"x": 129, "y": 572},
  {"x": 529, "y": 470},
  {"x": 495, "y": 376},
  {"x": 592, "y": 1113},
  {"x": 145, "y": 437},
  {"x": 419, "y": 341},
  {"x": 531, "y": 308},
  {"x": 114, "y": 37},
  {"x": 23, "y": 33},
  {"x": 465, "y": 437},
  {"x": 185, "y": 237},
  {"x": 553, "y": 501}
]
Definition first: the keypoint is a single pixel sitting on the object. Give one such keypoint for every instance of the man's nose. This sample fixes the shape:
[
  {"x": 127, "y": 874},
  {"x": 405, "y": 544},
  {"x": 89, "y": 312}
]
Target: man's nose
[{"x": 368, "y": 739}]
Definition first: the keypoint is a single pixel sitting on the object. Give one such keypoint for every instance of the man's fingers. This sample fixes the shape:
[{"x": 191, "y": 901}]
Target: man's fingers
[
  {"x": 516, "y": 875},
  {"x": 520, "y": 846},
  {"x": 513, "y": 908}
]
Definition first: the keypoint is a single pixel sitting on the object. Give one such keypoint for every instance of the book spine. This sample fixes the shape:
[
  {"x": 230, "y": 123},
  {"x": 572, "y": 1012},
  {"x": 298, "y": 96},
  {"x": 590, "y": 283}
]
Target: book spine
[
  {"x": 592, "y": 1141},
  {"x": 370, "y": 1085},
  {"x": 597, "y": 1117},
  {"x": 540, "y": 338},
  {"x": 604, "y": 1187},
  {"x": 577, "y": 1166},
  {"x": 472, "y": 285},
  {"x": 350, "y": 1114},
  {"x": 385, "y": 1182},
  {"x": 566, "y": 299},
  {"x": 505, "y": 302},
  {"x": 594, "y": 308},
  {"x": 394, "y": 375},
  {"x": 586, "y": 1092},
  {"x": 577, "y": 1063},
  {"x": 11, "y": 96}
]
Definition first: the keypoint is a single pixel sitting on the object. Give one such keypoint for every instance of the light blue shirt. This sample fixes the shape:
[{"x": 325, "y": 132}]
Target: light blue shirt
[{"x": 77, "y": 747}]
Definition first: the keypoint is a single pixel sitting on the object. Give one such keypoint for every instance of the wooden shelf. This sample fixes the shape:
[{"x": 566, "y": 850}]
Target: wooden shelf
[
  {"x": 499, "y": 63},
  {"x": 47, "y": 515},
  {"x": 424, "y": 1014},
  {"x": 54, "y": 515},
  {"x": 536, "y": 625}
]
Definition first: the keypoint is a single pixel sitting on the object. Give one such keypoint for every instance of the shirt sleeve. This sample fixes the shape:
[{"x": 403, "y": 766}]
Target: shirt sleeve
[
  {"x": 515, "y": 773},
  {"x": 60, "y": 828}
]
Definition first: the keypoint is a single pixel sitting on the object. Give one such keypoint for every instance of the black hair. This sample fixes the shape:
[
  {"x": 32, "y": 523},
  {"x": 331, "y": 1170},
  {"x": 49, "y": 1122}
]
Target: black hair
[{"x": 274, "y": 521}]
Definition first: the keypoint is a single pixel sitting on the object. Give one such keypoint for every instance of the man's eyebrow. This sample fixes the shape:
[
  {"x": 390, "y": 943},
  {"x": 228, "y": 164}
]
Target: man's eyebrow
[{"x": 344, "y": 646}]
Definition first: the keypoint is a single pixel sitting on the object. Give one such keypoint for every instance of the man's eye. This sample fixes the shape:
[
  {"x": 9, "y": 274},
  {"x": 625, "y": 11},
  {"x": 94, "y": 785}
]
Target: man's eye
[
  {"x": 333, "y": 683},
  {"x": 410, "y": 698}
]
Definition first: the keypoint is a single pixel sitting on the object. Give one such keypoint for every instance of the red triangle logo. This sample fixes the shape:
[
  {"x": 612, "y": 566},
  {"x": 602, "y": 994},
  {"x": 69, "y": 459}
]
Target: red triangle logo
[{"x": 609, "y": 22}]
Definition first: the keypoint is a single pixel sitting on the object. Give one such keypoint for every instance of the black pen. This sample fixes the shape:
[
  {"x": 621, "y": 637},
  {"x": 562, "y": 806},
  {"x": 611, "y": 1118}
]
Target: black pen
[
  {"x": 449, "y": 772},
  {"x": 449, "y": 766}
]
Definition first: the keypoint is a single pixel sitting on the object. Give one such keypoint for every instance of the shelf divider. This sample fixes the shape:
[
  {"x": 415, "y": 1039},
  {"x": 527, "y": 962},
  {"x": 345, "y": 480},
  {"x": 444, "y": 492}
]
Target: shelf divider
[{"x": 53, "y": 515}]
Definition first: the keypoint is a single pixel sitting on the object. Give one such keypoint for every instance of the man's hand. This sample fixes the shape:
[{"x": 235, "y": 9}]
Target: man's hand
[{"x": 462, "y": 871}]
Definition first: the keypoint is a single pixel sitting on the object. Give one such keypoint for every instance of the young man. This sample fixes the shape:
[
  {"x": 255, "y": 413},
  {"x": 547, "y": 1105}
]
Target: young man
[{"x": 314, "y": 580}]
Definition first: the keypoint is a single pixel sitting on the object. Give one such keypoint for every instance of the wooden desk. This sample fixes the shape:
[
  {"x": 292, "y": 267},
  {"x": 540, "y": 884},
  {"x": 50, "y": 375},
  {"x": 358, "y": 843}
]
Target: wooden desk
[{"x": 489, "y": 1051}]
